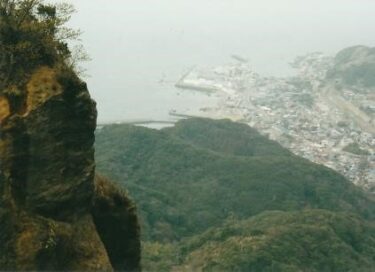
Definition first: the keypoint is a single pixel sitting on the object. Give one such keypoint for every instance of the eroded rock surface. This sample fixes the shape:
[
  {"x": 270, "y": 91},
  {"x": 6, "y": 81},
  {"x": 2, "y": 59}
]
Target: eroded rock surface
[{"x": 53, "y": 214}]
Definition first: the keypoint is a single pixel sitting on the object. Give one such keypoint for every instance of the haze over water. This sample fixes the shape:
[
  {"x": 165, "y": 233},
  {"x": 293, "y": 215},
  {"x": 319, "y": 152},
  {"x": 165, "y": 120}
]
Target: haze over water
[{"x": 135, "y": 44}]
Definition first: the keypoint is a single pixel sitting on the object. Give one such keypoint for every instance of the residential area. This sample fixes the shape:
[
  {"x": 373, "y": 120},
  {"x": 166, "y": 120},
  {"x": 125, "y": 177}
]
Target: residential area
[{"x": 314, "y": 116}]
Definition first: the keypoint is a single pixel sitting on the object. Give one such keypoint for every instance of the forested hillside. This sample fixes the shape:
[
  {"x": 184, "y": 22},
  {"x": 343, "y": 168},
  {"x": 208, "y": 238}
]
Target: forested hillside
[
  {"x": 310, "y": 240},
  {"x": 202, "y": 173},
  {"x": 355, "y": 66}
]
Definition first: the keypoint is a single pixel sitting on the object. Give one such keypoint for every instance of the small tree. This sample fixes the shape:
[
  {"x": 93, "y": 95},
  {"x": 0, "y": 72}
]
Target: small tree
[{"x": 33, "y": 33}]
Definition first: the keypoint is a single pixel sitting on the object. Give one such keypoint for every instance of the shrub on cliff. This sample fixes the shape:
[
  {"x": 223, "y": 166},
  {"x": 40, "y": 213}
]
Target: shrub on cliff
[{"x": 32, "y": 34}]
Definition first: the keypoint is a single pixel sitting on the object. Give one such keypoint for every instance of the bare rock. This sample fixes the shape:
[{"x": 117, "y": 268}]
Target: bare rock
[{"x": 52, "y": 215}]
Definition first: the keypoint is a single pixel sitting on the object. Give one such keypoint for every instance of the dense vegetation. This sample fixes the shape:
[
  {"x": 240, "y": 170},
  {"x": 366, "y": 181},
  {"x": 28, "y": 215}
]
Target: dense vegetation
[
  {"x": 354, "y": 148},
  {"x": 201, "y": 173},
  {"x": 33, "y": 34},
  {"x": 355, "y": 66},
  {"x": 311, "y": 240}
]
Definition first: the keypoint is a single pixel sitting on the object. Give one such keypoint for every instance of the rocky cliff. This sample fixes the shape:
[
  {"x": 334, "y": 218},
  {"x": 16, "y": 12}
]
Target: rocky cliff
[{"x": 55, "y": 213}]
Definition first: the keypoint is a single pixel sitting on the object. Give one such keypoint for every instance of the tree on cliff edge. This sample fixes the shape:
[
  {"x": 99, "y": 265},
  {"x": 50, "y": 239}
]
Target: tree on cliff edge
[{"x": 32, "y": 34}]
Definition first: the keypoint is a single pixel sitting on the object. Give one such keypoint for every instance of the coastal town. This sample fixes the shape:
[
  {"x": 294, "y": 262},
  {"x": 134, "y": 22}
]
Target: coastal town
[{"x": 318, "y": 118}]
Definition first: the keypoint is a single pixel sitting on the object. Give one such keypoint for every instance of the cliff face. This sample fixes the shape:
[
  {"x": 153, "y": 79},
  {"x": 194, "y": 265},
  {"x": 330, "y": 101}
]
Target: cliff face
[{"x": 54, "y": 213}]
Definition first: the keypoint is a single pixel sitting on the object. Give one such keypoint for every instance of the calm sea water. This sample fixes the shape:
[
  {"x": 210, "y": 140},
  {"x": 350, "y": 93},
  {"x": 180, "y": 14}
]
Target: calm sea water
[{"x": 135, "y": 44}]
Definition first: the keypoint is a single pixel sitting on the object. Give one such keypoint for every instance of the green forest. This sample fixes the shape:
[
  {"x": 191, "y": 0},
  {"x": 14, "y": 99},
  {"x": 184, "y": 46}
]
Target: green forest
[{"x": 218, "y": 196}]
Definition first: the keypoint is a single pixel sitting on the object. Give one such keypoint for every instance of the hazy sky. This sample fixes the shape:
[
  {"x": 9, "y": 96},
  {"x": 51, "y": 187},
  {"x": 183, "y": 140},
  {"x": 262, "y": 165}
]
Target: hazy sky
[{"x": 133, "y": 44}]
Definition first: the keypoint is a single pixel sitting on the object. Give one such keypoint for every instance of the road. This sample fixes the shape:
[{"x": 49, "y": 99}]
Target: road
[{"x": 335, "y": 99}]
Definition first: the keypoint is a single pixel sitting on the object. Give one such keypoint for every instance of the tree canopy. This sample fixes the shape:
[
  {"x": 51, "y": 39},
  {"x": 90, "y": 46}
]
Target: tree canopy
[
  {"x": 214, "y": 195},
  {"x": 33, "y": 33}
]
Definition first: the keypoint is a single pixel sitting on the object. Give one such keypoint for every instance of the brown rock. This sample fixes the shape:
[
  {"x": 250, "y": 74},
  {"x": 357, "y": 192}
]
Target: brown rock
[
  {"x": 116, "y": 222},
  {"x": 52, "y": 215},
  {"x": 4, "y": 108}
]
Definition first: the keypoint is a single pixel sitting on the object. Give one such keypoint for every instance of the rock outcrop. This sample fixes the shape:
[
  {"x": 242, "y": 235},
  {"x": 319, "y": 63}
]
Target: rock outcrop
[{"x": 54, "y": 213}]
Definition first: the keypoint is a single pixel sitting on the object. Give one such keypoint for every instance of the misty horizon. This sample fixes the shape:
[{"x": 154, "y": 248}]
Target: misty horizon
[{"x": 134, "y": 44}]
